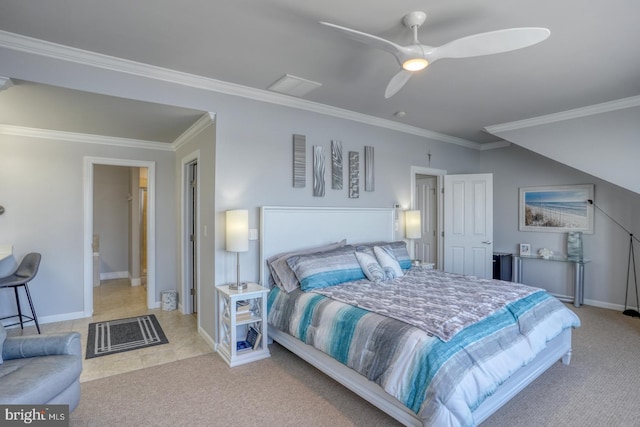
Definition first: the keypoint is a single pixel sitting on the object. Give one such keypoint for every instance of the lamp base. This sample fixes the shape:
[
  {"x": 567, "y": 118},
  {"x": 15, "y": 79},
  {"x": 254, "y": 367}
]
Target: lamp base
[{"x": 238, "y": 286}]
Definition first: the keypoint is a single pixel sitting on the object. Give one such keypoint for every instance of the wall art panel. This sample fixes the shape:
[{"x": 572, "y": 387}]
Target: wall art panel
[
  {"x": 318, "y": 171},
  {"x": 369, "y": 176},
  {"x": 336, "y": 165},
  {"x": 299, "y": 161},
  {"x": 354, "y": 174}
]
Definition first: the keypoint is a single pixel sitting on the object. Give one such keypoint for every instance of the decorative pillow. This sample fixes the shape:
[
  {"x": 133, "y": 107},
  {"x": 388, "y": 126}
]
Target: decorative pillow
[
  {"x": 324, "y": 269},
  {"x": 398, "y": 249},
  {"x": 368, "y": 247},
  {"x": 3, "y": 336},
  {"x": 282, "y": 274},
  {"x": 370, "y": 266},
  {"x": 400, "y": 253},
  {"x": 388, "y": 262}
]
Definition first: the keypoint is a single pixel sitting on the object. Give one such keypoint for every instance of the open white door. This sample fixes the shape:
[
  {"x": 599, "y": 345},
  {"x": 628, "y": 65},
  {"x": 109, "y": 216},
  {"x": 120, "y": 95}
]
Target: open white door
[{"x": 468, "y": 224}]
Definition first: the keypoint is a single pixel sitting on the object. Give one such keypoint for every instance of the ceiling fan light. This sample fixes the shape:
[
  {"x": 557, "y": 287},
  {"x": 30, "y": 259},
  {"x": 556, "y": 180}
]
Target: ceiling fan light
[{"x": 415, "y": 64}]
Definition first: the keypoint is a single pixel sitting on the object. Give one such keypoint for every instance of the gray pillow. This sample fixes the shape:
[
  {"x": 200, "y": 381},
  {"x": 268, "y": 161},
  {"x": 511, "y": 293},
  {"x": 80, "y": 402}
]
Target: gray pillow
[
  {"x": 322, "y": 269},
  {"x": 282, "y": 274}
]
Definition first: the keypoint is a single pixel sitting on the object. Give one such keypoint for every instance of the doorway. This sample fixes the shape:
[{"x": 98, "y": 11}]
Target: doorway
[
  {"x": 426, "y": 196},
  {"x": 190, "y": 235},
  {"x": 149, "y": 226}
]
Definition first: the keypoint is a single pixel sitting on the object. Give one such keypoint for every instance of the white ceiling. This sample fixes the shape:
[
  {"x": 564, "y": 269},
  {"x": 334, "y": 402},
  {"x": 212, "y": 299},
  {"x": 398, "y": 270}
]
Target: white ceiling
[{"x": 591, "y": 56}]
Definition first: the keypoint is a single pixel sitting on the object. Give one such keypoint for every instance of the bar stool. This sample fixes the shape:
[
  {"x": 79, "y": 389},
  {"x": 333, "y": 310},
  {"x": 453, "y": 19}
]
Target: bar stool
[{"x": 25, "y": 272}]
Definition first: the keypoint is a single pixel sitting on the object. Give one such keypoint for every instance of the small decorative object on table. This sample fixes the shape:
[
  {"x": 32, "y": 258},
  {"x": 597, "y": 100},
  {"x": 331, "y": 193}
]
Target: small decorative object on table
[
  {"x": 574, "y": 245},
  {"x": 545, "y": 253},
  {"x": 525, "y": 249}
]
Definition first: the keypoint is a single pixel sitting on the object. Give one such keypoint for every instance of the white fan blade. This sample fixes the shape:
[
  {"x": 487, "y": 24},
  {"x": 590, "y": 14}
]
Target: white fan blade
[
  {"x": 397, "y": 82},
  {"x": 490, "y": 43},
  {"x": 373, "y": 41}
]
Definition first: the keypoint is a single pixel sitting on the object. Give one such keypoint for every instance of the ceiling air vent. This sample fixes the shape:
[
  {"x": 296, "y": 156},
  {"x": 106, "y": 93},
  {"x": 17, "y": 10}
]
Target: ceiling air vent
[{"x": 294, "y": 86}]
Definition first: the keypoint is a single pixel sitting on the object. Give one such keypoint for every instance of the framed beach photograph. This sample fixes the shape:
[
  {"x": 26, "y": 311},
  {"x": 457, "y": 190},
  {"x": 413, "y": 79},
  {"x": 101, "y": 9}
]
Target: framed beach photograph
[{"x": 557, "y": 209}]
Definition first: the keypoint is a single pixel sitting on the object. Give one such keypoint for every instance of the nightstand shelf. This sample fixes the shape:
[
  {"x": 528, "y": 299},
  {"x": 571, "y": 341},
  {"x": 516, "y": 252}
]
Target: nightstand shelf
[{"x": 234, "y": 324}]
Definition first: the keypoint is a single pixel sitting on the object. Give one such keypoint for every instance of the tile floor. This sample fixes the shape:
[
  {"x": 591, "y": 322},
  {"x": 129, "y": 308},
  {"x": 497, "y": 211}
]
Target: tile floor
[{"x": 115, "y": 299}]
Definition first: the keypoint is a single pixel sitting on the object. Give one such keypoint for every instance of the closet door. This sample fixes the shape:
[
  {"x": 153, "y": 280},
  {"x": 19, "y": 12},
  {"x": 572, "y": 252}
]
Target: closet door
[{"x": 468, "y": 224}]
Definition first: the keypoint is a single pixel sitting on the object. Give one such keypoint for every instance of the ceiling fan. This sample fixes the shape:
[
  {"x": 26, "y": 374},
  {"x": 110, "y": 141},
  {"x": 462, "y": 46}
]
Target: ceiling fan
[{"x": 417, "y": 56}]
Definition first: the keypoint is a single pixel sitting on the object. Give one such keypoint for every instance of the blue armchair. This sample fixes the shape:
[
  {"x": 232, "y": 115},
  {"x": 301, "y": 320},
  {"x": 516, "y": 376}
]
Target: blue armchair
[{"x": 40, "y": 369}]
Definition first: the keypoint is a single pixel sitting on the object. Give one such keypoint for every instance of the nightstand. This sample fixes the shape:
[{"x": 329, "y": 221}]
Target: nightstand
[{"x": 239, "y": 311}]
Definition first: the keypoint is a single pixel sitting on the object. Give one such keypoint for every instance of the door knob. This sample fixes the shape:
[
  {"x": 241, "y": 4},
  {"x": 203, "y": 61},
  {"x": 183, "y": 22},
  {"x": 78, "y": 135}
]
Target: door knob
[{"x": 487, "y": 242}]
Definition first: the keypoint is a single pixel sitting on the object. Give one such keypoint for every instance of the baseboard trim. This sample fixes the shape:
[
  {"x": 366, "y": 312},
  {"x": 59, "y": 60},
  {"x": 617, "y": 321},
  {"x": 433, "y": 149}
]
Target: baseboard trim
[
  {"x": 114, "y": 275},
  {"x": 205, "y": 336}
]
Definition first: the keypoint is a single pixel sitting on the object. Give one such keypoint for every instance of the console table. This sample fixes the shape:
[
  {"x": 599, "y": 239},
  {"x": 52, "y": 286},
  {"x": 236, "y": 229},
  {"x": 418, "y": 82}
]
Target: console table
[{"x": 578, "y": 298}]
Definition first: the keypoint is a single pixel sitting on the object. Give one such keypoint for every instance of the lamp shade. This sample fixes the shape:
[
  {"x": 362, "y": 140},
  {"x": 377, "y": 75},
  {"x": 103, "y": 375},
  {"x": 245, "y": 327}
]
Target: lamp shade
[
  {"x": 237, "y": 230},
  {"x": 412, "y": 224}
]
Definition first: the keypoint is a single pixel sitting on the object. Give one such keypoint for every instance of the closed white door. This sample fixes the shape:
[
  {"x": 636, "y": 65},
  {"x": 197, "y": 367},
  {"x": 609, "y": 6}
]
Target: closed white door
[
  {"x": 468, "y": 224},
  {"x": 426, "y": 248}
]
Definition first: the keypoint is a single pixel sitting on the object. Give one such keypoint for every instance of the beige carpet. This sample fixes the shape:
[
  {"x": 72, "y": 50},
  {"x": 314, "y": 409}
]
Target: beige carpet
[{"x": 599, "y": 388}]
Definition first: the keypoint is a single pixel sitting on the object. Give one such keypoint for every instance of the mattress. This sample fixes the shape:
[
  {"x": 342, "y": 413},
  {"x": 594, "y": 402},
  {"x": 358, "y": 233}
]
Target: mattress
[{"x": 442, "y": 381}]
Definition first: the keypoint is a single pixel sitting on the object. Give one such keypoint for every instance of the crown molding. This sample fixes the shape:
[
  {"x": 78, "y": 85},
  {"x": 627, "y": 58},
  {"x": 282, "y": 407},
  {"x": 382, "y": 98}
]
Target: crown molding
[
  {"x": 494, "y": 145},
  {"x": 70, "y": 54},
  {"x": 577, "y": 113},
  {"x": 83, "y": 138},
  {"x": 207, "y": 119}
]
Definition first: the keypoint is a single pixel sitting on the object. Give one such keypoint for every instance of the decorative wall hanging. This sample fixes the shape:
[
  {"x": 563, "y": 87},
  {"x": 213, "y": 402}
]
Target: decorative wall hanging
[
  {"x": 318, "y": 171},
  {"x": 336, "y": 165},
  {"x": 369, "y": 182},
  {"x": 299, "y": 158},
  {"x": 354, "y": 174},
  {"x": 557, "y": 209}
]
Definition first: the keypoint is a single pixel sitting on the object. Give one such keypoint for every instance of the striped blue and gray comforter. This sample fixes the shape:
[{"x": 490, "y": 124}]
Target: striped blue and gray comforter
[{"x": 441, "y": 381}]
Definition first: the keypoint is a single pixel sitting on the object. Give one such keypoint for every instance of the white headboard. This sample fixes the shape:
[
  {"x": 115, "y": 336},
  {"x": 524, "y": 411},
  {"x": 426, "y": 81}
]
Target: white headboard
[{"x": 284, "y": 229}]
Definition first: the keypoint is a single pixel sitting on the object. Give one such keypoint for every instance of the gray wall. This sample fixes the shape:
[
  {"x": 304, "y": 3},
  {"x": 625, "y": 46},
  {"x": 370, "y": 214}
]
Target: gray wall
[
  {"x": 205, "y": 145},
  {"x": 41, "y": 183},
  {"x": 254, "y": 167},
  {"x": 607, "y": 248},
  {"x": 111, "y": 189}
]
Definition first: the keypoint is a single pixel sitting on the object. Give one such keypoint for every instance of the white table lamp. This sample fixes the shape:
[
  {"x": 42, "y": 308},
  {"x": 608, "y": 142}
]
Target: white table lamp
[{"x": 237, "y": 239}]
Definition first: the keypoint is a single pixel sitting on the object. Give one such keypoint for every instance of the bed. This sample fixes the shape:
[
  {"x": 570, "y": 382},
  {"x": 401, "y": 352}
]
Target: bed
[{"x": 415, "y": 399}]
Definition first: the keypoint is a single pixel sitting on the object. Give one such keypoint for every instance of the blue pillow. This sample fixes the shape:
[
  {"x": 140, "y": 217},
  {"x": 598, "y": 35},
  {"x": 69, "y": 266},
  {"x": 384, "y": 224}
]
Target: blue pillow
[{"x": 323, "y": 269}]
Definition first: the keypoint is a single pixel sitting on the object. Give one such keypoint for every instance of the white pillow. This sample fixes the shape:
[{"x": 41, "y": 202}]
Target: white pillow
[
  {"x": 370, "y": 266},
  {"x": 389, "y": 264}
]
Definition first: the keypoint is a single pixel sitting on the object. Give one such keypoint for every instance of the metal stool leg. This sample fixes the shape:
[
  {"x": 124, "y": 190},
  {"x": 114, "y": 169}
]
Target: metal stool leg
[
  {"x": 33, "y": 311},
  {"x": 15, "y": 290}
]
